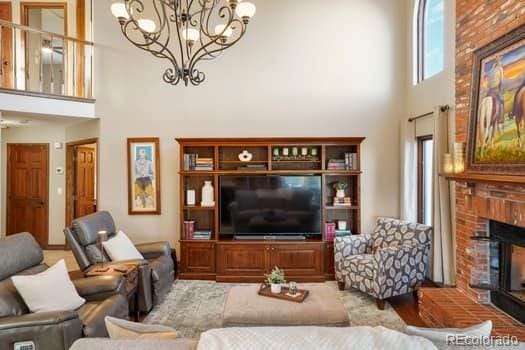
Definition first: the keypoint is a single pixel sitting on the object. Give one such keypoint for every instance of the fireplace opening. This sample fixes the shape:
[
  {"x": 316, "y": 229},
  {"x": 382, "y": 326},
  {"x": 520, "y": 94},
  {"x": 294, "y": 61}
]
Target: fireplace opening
[
  {"x": 517, "y": 272},
  {"x": 499, "y": 266}
]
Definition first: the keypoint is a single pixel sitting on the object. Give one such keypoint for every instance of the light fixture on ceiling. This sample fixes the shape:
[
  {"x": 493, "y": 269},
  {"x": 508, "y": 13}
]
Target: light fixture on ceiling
[{"x": 184, "y": 32}]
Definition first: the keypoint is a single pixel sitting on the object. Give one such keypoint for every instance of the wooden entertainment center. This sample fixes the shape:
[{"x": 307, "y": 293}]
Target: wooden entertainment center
[{"x": 222, "y": 258}]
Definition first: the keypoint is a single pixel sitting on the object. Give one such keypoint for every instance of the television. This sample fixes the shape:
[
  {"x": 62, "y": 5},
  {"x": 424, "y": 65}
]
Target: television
[{"x": 272, "y": 205}]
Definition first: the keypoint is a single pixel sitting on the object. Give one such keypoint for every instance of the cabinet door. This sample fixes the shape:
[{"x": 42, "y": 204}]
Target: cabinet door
[
  {"x": 198, "y": 257},
  {"x": 298, "y": 259},
  {"x": 243, "y": 259}
]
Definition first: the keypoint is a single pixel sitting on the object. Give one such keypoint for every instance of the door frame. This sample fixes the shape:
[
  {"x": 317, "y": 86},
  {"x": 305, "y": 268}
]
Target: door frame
[
  {"x": 8, "y": 185},
  {"x": 70, "y": 174},
  {"x": 10, "y": 55},
  {"x": 27, "y": 5}
]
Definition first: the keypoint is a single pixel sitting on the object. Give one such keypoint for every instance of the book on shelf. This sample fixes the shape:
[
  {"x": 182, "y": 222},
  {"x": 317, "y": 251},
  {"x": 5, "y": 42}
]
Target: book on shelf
[
  {"x": 343, "y": 233},
  {"x": 252, "y": 167},
  {"x": 342, "y": 202},
  {"x": 348, "y": 163},
  {"x": 192, "y": 161},
  {"x": 202, "y": 234},
  {"x": 329, "y": 231}
]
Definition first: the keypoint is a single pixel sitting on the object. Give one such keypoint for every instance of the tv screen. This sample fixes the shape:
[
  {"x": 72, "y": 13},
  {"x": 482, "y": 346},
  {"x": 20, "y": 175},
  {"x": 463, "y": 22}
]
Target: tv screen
[{"x": 270, "y": 205}]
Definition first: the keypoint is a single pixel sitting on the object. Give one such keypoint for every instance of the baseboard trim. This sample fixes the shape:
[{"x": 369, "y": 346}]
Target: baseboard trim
[{"x": 56, "y": 247}]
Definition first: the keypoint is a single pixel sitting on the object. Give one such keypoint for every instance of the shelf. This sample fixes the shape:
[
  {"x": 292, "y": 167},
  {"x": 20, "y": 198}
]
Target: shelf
[
  {"x": 198, "y": 207},
  {"x": 298, "y": 171},
  {"x": 296, "y": 161},
  {"x": 244, "y": 163},
  {"x": 341, "y": 207},
  {"x": 472, "y": 177}
]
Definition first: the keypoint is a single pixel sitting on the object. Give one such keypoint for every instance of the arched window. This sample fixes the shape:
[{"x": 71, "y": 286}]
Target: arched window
[{"x": 430, "y": 38}]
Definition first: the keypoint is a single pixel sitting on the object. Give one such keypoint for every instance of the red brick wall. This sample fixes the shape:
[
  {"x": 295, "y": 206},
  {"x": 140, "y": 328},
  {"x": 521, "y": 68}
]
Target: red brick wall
[{"x": 478, "y": 22}]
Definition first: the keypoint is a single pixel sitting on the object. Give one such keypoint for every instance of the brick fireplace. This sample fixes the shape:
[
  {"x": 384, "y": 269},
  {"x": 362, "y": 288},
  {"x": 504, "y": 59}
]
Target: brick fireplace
[{"x": 478, "y": 22}]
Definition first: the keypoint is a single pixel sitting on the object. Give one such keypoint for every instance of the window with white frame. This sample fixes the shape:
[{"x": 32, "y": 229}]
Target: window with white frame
[{"x": 429, "y": 38}]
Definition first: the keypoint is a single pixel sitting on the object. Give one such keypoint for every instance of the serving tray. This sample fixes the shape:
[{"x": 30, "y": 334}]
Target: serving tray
[{"x": 299, "y": 297}]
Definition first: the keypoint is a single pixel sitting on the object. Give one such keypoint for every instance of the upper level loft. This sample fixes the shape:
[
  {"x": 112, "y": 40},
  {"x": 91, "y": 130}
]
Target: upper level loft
[{"x": 46, "y": 62}]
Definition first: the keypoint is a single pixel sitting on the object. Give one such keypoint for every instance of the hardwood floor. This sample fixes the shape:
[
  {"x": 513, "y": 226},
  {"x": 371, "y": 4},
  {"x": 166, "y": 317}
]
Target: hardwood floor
[{"x": 407, "y": 307}]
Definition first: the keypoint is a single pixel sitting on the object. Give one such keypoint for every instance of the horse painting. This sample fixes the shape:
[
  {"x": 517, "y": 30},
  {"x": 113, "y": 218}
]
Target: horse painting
[{"x": 500, "y": 109}]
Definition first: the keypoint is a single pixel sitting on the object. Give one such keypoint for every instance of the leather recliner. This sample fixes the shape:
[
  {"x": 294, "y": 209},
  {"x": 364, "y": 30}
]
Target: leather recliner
[
  {"x": 156, "y": 271},
  {"x": 20, "y": 254}
]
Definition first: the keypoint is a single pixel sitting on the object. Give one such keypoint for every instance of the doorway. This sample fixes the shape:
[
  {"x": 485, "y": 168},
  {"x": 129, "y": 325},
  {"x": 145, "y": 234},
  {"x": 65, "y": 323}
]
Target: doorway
[
  {"x": 45, "y": 61},
  {"x": 81, "y": 178},
  {"x": 6, "y": 48},
  {"x": 28, "y": 190}
]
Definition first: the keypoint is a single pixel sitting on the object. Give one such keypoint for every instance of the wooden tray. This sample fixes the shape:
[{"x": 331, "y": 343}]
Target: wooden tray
[{"x": 265, "y": 290}]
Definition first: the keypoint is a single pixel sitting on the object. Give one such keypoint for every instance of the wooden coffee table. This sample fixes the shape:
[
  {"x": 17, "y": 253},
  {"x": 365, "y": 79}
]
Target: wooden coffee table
[{"x": 131, "y": 275}]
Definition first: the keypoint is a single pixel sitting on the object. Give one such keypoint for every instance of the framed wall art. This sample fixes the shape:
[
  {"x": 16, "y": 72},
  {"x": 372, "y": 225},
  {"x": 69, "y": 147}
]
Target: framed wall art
[
  {"x": 496, "y": 134},
  {"x": 143, "y": 176}
]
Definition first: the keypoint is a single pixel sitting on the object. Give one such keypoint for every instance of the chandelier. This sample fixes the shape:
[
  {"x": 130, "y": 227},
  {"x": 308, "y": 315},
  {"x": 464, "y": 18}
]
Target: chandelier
[{"x": 184, "y": 32}]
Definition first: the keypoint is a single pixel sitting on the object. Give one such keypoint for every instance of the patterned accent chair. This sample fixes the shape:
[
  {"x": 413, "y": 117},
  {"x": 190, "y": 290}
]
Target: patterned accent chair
[{"x": 392, "y": 261}]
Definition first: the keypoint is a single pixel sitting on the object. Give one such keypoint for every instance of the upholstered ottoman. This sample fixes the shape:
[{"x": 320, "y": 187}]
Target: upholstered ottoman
[{"x": 322, "y": 307}]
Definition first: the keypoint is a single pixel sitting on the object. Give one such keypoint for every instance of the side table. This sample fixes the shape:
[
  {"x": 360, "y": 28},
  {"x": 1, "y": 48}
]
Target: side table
[{"x": 130, "y": 274}]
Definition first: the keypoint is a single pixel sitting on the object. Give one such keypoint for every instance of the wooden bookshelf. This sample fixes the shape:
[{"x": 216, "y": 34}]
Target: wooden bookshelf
[{"x": 223, "y": 259}]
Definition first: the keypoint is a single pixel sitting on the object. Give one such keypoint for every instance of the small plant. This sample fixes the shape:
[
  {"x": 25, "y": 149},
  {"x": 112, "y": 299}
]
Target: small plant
[
  {"x": 276, "y": 276},
  {"x": 340, "y": 185}
]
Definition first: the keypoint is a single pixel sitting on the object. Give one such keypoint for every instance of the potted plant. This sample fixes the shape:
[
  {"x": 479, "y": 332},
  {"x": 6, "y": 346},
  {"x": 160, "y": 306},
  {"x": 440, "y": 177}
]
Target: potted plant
[
  {"x": 340, "y": 189},
  {"x": 275, "y": 279}
]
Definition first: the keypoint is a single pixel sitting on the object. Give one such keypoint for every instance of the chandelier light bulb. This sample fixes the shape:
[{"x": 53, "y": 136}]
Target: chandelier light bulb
[
  {"x": 190, "y": 34},
  {"x": 147, "y": 25},
  {"x": 219, "y": 29},
  {"x": 245, "y": 10},
  {"x": 118, "y": 9}
]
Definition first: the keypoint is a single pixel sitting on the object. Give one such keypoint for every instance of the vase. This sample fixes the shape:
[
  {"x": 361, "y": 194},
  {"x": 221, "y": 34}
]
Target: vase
[
  {"x": 340, "y": 193},
  {"x": 207, "y": 195},
  {"x": 245, "y": 156},
  {"x": 276, "y": 288}
]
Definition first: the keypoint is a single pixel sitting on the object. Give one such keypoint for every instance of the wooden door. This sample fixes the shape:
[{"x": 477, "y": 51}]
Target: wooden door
[
  {"x": 298, "y": 259},
  {"x": 240, "y": 259},
  {"x": 198, "y": 257},
  {"x": 27, "y": 190},
  {"x": 6, "y": 50},
  {"x": 85, "y": 164}
]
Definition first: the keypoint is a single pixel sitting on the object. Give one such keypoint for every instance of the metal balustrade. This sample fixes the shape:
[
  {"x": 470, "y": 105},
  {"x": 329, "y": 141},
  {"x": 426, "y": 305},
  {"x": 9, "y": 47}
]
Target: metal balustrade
[{"x": 36, "y": 61}]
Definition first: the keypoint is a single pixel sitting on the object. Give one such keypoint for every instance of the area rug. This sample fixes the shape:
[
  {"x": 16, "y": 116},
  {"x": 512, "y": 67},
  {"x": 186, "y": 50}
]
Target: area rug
[{"x": 193, "y": 307}]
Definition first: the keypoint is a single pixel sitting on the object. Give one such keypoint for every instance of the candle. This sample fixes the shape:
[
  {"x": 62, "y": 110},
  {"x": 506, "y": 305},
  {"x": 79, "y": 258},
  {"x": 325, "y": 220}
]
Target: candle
[
  {"x": 448, "y": 165},
  {"x": 459, "y": 157}
]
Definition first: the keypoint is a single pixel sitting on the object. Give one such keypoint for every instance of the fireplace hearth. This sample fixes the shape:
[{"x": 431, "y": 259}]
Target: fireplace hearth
[{"x": 499, "y": 266}]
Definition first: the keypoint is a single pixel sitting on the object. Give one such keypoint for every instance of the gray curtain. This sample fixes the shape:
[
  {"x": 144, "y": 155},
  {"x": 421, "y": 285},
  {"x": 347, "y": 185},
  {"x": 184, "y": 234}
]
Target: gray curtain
[{"x": 443, "y": 260}]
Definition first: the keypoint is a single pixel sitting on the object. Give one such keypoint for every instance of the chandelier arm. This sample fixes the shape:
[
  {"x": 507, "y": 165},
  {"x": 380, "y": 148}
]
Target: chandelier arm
[
  {"x": 179, "y": 36},
  {"x": 222, "y": 47}
]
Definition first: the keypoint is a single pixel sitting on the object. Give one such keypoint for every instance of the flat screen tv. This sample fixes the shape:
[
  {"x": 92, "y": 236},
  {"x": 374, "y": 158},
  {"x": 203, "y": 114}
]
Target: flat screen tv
[{"x": 270, "y": 205}]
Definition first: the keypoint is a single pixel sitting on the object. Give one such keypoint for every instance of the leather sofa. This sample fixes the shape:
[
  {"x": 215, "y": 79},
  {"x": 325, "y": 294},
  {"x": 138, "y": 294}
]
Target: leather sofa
[
  {"x": 20, "y": 254},
  {"x": 156, "y": 271}
]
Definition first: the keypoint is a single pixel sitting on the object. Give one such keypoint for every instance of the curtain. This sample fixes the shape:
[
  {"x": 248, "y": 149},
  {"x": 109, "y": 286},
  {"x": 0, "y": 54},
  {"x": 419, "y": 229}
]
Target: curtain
[
  {"x": 408, "y": 196},
  {"x": 443, "y": 259}
]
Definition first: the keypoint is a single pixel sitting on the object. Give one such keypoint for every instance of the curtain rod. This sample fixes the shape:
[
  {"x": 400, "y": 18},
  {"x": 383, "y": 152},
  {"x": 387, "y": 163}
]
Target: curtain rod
[{"x": 442, "y": 108}]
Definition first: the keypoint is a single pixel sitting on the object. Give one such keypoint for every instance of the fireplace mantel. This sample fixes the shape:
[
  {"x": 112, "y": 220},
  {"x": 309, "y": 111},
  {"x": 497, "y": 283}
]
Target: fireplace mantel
[{"x": 486, "y": 178}]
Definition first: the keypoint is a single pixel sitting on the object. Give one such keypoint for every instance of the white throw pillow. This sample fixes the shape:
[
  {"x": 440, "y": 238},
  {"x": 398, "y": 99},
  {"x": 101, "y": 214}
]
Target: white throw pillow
[
  {"x": 121, "y": 248},
  {"x": 51, "y": 290},
  {"x": 439, "y": 335}
]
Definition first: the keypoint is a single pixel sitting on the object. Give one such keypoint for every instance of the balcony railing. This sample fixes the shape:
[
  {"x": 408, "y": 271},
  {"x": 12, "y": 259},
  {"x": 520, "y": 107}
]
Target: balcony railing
[{"x": 36, "y": 61}]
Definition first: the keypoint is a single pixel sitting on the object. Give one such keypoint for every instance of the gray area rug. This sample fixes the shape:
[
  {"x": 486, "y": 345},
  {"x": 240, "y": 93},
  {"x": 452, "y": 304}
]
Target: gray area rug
[{"x": 193, "y": 307}]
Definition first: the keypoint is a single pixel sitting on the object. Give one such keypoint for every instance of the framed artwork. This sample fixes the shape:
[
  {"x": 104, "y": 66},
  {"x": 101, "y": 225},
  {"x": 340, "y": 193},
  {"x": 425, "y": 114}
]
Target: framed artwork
[
  {"x": 143, "y": 176},
  {"x": 496, "y": 134}
]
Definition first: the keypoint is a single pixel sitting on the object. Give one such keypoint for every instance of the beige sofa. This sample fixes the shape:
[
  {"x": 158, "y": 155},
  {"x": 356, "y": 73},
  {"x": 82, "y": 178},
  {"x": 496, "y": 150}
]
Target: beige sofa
[{"x": 262, "y": 338}]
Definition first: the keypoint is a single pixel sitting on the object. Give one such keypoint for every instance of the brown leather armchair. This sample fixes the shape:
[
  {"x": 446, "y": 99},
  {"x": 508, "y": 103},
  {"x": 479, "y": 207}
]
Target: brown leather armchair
[
  {"x": 156, "y": 271},
  {"x": 20, "y": 254}
]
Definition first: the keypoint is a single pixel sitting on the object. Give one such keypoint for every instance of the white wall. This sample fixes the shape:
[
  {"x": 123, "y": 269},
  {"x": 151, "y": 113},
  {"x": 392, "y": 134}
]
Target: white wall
[
  {"x": 302, "y": 70},
  {"x": 439, "y": 89}
]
